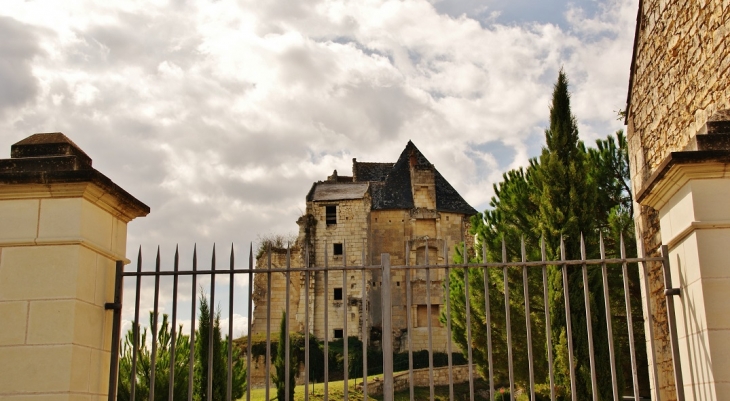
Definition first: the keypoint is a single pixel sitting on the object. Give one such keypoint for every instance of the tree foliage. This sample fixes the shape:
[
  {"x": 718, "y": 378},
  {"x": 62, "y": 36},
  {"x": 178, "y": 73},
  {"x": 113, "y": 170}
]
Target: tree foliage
[
  {"x": 280, "y": 361},
  {"x": 566, "y": 192},
  {"x": 163, "y": 362}
]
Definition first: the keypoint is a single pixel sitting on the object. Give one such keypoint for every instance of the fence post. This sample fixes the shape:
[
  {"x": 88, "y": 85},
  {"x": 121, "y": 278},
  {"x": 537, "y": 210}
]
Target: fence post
[
  {"x": 387, "y": 334},
  {"x": 63, "y": 227},
  {"x": 116, "y": 306},
  {"x": 670, "y": 292}
]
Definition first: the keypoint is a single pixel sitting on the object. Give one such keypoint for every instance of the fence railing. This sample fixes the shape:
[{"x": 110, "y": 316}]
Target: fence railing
[{"x": 136, "y": 349}]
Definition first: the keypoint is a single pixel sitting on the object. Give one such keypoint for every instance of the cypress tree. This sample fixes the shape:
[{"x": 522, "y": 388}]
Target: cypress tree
[
  {"x": 280, "y": 364},
  {"x": 202, "y": 351},
  {"x": 220, "y": 358},
  {"x": 564, "y": 192},
  {"x": 567, "y": 199}
]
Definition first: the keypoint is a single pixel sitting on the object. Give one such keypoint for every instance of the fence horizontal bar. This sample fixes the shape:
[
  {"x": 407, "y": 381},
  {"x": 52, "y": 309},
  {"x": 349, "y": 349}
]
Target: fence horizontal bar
[{"x": 378, "y": 267}]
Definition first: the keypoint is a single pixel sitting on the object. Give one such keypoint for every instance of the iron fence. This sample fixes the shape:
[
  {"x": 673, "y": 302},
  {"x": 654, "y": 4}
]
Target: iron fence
[{"x": 386, "y": 270}]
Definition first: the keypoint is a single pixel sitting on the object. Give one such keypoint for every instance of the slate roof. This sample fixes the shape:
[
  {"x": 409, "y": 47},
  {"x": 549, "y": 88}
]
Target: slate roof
[
  {"x": 363, "y": 171},
  {"x": 395, "y": 191},
  {"x": 390, "y": 185}
]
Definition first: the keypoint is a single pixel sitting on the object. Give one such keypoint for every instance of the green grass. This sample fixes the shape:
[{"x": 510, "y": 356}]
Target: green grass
[
  {"x": 316, "y": 392},
  {"x": 336, "y": 392}
]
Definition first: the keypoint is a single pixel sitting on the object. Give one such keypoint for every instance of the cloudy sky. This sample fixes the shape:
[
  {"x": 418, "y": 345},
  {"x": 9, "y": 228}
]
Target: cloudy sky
[{"x": 219, "y": 115}]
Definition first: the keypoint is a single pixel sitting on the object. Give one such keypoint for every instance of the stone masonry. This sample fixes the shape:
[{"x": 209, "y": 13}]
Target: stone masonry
[
  {"x": 352, "y": 220},
  {"x": 679, "y": 78}
]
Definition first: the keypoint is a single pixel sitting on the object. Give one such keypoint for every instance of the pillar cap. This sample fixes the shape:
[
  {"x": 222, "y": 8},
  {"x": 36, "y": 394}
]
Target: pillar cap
[
  {"x": 49, "y": 144},
  {"x": 677, "y": 169},
  {"x": 53, "y": 158}
]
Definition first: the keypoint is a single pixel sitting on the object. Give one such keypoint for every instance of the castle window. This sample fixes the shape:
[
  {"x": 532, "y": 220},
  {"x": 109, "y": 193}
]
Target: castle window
[
  {"x": 337, "y": 249},
  {"x": 422, "y": 316},
  {"x": 338, "y": 294},
  {"x": 331, "y": 215},
  {"x": 339, "y": 333}
]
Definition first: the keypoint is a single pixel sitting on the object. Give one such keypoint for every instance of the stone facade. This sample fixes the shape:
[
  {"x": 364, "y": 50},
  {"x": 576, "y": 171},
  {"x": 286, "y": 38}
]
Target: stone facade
[
  {"x": 381, "y": 208},
  {"x": 679, "y": 78}
]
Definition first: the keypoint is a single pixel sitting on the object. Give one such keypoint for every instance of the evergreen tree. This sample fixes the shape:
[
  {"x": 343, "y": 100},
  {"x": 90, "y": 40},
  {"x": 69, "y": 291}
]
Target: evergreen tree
[
  {"x": 566, "y": 192},
  {"x": 162, "y": 364},
  {"x": 182, "y": 356},
  {"x": 567, "y": 197},
  {"x": 220, "y": 359},
  {"x": 280, "y": 364}
]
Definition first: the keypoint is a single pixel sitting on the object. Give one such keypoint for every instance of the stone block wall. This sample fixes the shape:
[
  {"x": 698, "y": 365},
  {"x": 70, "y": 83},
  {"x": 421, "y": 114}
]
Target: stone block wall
[
  {"x": 258, "y": 374},
  {"x": 680, "y": 77},
  {"x": 278, "y": 294},
  {"x": 351, "y": 231},
  {"x": 424, "y": 188},
  {"x": 401, "y": 381},
  {"x": 350, "y": 304}
]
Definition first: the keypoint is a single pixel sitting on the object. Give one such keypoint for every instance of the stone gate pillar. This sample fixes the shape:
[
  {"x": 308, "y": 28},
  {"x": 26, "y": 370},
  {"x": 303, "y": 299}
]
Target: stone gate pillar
[
  {"x": 691, "y": 192},
  {"x": 63, "y": 225}
]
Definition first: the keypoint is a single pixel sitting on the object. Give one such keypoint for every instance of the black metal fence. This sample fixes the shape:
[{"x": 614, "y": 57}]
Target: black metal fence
[{"x": 386, "y": 269}]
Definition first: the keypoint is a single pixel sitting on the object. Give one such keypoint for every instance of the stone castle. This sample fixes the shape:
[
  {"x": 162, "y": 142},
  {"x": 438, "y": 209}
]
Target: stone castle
[{"x": 381, "y": 208}]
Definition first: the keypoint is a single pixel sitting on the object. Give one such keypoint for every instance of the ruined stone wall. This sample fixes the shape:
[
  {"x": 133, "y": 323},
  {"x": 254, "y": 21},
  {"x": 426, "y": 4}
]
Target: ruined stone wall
[
  {"x": 278, "y": 294},
  {"x": 682, "y": 62},
  {"x": 350, "y": 231}
]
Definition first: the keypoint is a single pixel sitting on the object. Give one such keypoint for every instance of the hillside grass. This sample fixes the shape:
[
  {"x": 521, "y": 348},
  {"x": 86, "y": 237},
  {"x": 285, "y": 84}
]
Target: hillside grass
[{"x": 336, "y": 392}]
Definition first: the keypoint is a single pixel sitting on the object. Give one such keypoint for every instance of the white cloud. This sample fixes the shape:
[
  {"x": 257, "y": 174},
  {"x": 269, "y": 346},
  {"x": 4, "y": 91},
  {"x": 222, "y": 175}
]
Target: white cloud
[{"x": 220, "y": 115}]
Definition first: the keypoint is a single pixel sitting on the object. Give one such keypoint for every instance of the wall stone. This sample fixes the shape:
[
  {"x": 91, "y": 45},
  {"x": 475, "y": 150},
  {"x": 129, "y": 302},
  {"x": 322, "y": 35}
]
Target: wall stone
[
  {"x": 680, "y": 78},
  {"x": 401, "y": 381}
]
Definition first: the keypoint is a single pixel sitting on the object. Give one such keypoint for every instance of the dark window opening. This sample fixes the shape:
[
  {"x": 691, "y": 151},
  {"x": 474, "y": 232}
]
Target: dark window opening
[
  {"x": 331, "y": 215},
  {"x": 338, "y": 333},
  {"x": 338, "y": 294},
  {"x": 337, "y": 249}
]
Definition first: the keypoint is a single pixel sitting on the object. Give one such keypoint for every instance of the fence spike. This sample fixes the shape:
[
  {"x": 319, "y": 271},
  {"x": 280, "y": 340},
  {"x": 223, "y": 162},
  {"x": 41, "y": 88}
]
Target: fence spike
[
  {"x": 542, "y": 248},
  {"x": 621, "y": 245},
  {"x": 135, "y": 326},
  {"x": 211, "y": 324},
  {"x": 248, "y": 323},
  {"x": 191, "y": 354},
  {"x": 504, "y": 251},
  {"x": 173, "y": 336},
  {"x": 522, "y": 248},
  {"x": 153, "y": 353},
  {"x": 601, "y": 245}
]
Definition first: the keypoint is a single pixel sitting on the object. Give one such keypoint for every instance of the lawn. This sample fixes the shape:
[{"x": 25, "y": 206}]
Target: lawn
[
  {"x": 316, "y": 391},
  {"x": 336, "y": 392}
]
